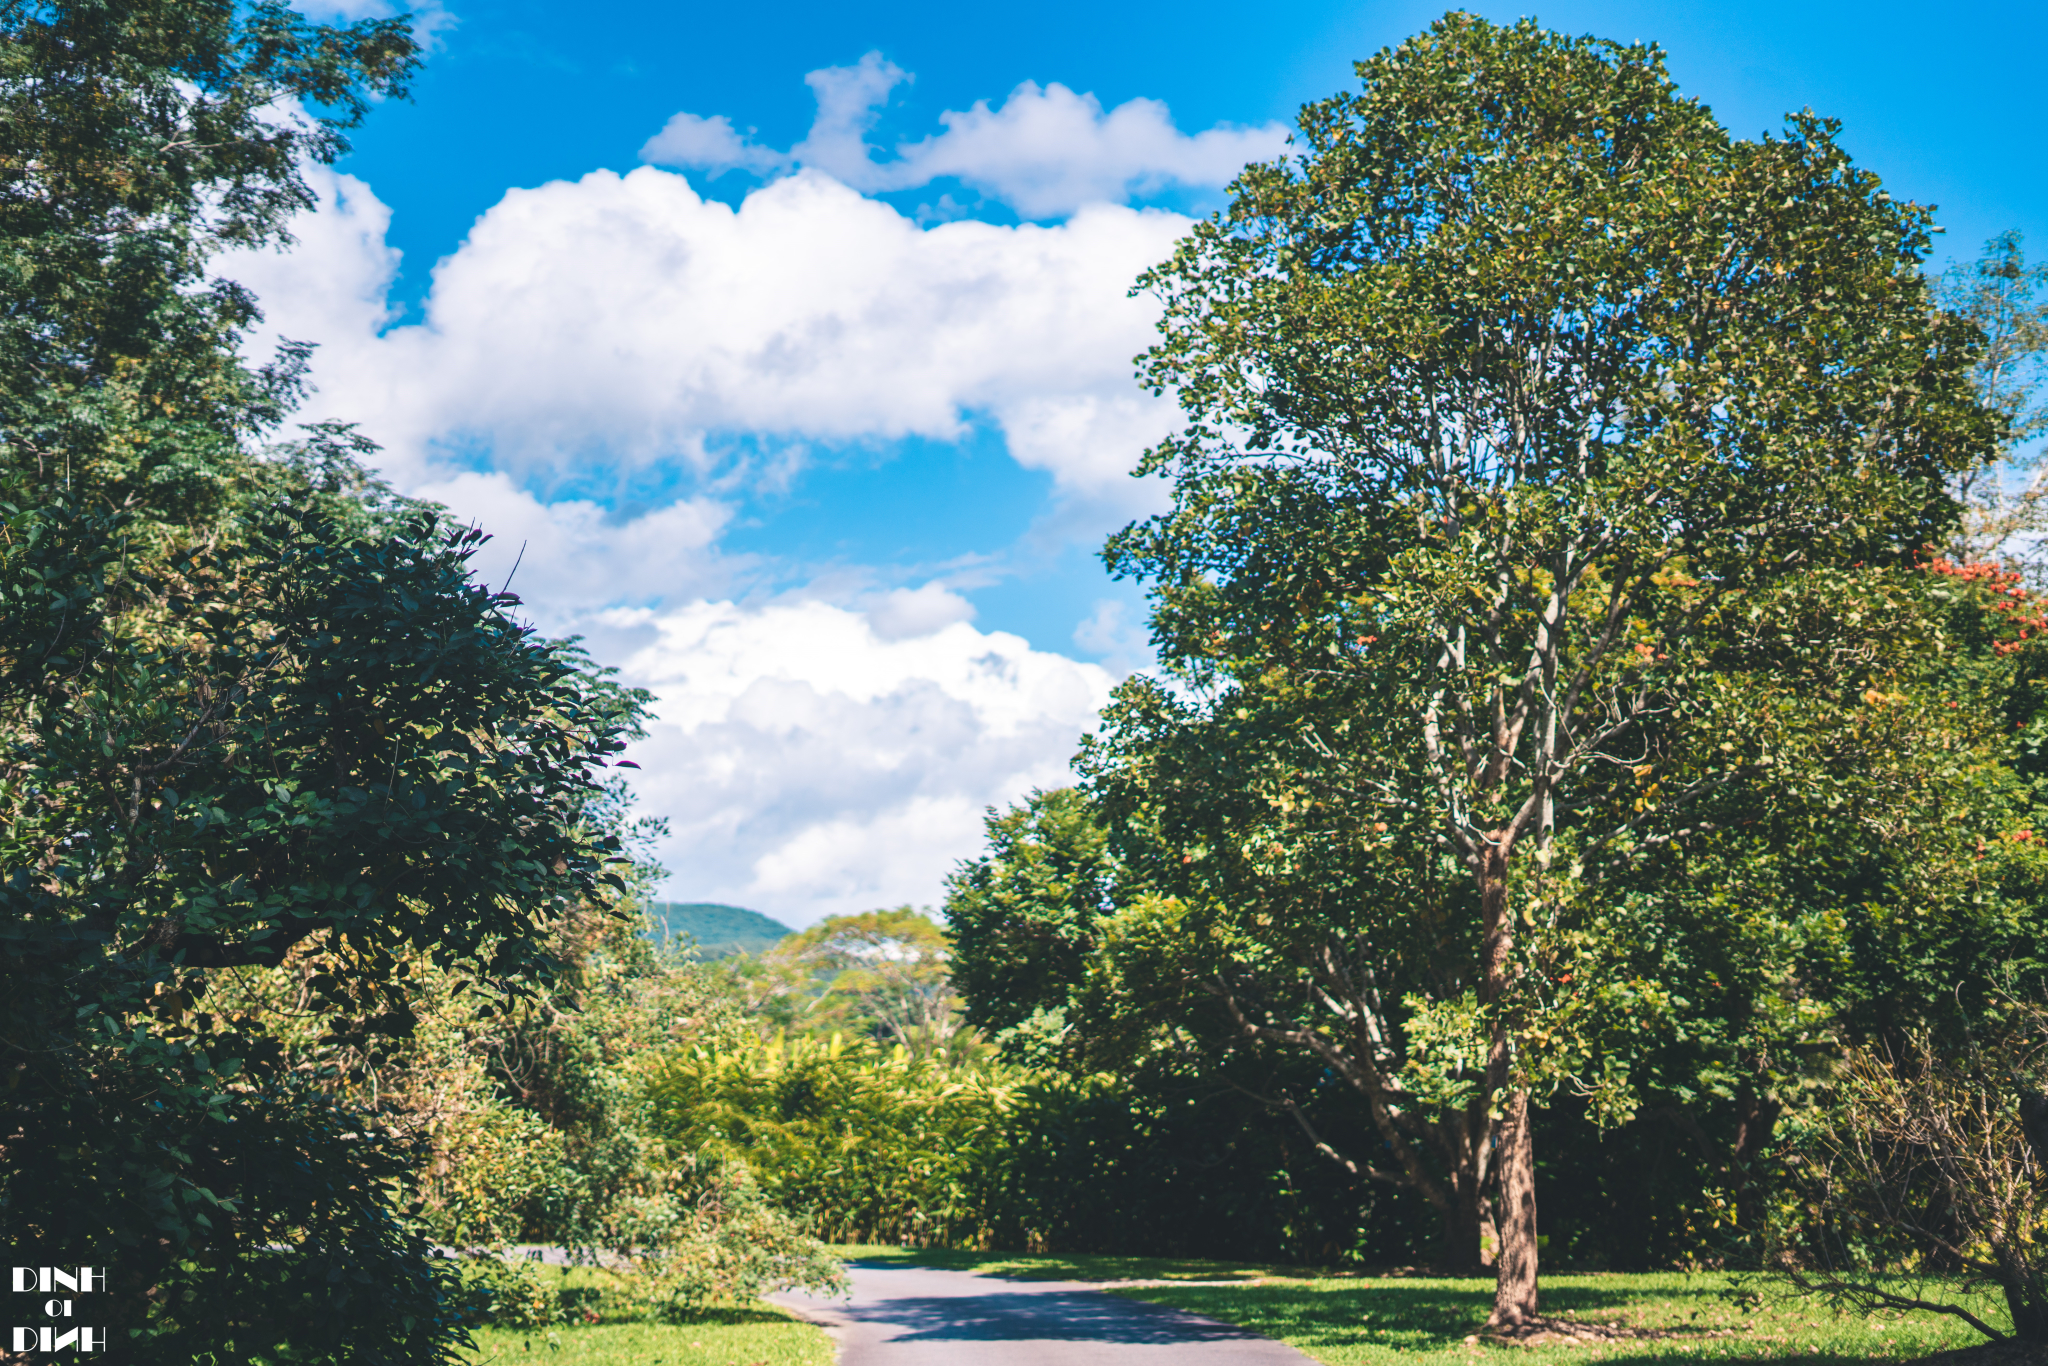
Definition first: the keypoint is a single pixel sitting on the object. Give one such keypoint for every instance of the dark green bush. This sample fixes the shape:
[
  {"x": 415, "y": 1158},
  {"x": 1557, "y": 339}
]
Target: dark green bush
[{"x": 509, "y": 1293}]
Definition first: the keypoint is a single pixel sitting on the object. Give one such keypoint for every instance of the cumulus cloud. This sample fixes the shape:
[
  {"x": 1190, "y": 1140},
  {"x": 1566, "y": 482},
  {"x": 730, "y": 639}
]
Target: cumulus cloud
[
  {"x": 1112, "y": 632},
  {"x": 850, "y": 99},
  {"x": 333, "y": 286},
  {"x": 574, "y": 557},
  {"x": 625, "y": 323},
  {"x": 906, "y": 613},
  {"x": 1046, "y": 152},
  {"x": 711, "y": 144},
  {"x": 812, "y": 762}
]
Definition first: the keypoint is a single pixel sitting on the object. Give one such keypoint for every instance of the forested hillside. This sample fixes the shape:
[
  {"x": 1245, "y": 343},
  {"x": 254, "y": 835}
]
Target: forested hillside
[{"x": 714, "y": 930}]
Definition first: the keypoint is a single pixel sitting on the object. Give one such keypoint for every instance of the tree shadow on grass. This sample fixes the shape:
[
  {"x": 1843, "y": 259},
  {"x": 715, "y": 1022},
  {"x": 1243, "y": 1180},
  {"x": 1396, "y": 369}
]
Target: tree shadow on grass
[
  {"x": 729, "y": 1316},
  {"x": 1399, "y": 1316},
  {"x": 1651, "y": 1323}
]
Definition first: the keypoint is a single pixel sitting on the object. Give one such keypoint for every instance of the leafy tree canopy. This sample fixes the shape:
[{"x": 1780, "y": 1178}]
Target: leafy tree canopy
[
  {"x": 251, "y": 707},
  {"x": 1551, "y": 461},
  {"x": 141, "y": 137},
  {"x": 875, "y": 974}
]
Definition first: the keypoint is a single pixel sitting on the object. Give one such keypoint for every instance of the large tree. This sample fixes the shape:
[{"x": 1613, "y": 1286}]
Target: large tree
[
  {"x": 249, "y": 706},
  {"x": 1521, "y": 404}
]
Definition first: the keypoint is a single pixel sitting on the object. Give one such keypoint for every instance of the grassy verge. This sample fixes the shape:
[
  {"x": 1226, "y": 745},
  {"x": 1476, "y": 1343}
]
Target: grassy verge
[
  {"x": 1361, "y": 1319},
  {"x": 738, "y": 1335},
  {"x": 1067, "y": 1268}
]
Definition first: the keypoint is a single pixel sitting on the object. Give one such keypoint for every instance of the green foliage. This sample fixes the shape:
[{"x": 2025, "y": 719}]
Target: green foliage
[
  {"x": 350, "y": 742},
  {"x": 531, "y": 1124},
  {"x": 1553, "y": 469},
  {"x": 725, "y": 1242},
  {"x": 1707, "y": 985},
  {"x": 884, "y": 973},
  {"x": 257, "y": 1217},
  {"x": 881, "y": 975},
  {"x": 876, "y": 1145},
  {"x": 568, "y": 1063},
  {"x": 142, "y": 136},
  {"x": 2003, "y": 297},
  {"x": 2000, "y": 294},
  {"x": 1926, "y": 1186},
  {"x": 711, "y": 1239},
  {"x": 530, "y": 1120},
  {"x": 897, "y": 1147},
  {"x": 627, "y": 1333},
  {"x": 255, "y": 718},
  {"x": 1022, "y": 919},
  {"x": 509, "y": 1293}
]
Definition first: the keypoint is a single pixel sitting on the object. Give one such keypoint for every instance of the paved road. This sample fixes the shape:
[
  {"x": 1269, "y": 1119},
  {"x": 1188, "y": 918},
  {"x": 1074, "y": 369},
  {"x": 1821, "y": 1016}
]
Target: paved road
[{"x": 913, "y": 1316}]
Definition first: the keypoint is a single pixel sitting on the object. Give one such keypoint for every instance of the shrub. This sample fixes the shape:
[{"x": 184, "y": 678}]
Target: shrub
[
  {"x": 508, "y": 1293},
  {"x": 726, "y": 1242},
  {"x": 1929, "y": 1181}
]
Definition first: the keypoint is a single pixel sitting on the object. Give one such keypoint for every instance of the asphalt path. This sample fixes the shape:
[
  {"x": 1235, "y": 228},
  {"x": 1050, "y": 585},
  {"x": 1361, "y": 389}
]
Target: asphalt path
[{"x": 916, "y": 1316}]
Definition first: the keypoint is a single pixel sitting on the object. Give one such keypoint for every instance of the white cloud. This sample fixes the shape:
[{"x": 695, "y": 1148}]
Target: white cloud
[
  {"x": 625, "y": 324},
  {"x": 1110, "y": 633},
  {"x": 345, "y": 11},
  {"x": 1086, "y": 439},
  {"x": 573, "y": 557},
  {"x": 1047, "y": 152},
  {"x": 849, "y": 100},
  {"x": 332, "y": 287},
  {"x": 906, "y": 613},
  {"x": 810, "y": 764},
  {"x": 711, "y": 144}
]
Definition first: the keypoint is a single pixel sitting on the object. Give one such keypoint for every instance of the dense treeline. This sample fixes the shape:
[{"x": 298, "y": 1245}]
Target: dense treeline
[{"x": 880, "y": 1145}]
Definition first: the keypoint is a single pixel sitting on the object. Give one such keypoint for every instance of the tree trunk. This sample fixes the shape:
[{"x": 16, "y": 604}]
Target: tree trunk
[
  {"x": 1756, "y": 1117},
  {"x": 1459, "y": 1232},
  {"x": 1514, "y": 1296},
  {"x": 2023, "y": 1298},
  {"x": 1514, "y": 1293}
]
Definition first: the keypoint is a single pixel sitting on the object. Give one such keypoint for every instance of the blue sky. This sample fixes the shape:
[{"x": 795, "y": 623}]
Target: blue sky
[
  {"x": 807, "y": 399},
  {"x": 1944, "y": 101}
]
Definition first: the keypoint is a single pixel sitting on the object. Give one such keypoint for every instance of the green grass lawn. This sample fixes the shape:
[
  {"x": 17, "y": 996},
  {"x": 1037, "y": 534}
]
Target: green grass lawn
[
  {"x": 1340, "y": 1318},
  {"x": 755, "y": 1335},
  {"x": 1360, "y": 1319}
]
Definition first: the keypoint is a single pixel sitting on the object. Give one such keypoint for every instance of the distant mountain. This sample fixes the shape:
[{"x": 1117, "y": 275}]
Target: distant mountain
[{"x": 718, "y": 931}]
